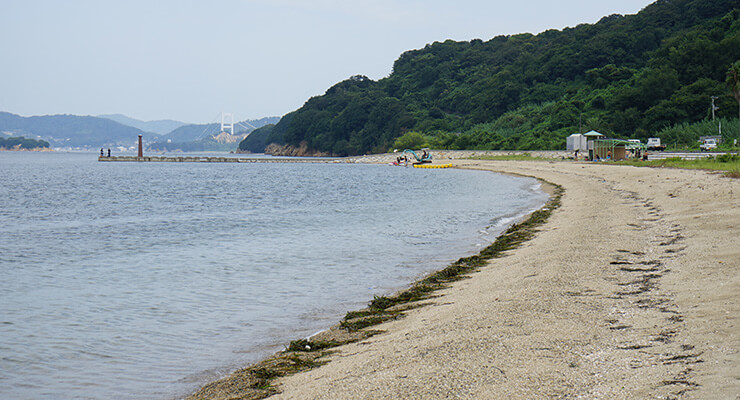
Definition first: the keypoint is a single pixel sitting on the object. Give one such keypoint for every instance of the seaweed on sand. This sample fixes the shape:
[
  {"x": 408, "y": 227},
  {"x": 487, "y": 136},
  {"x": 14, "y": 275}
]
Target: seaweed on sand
[{"x": 256, "y": 381}]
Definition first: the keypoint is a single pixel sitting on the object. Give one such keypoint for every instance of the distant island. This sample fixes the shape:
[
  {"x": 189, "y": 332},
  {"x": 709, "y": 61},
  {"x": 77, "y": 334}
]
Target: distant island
[{"x": 22, "y": 144}]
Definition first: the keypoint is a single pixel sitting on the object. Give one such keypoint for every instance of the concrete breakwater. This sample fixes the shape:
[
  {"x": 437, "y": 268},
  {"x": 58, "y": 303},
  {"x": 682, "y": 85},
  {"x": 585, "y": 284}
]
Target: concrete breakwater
[
  {"x": 216, "y": 159},
  {"x": 366, "y": 159}
]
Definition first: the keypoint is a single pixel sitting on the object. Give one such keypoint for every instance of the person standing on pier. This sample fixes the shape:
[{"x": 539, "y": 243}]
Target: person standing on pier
[
  {"x": 108, "y": 152},
  {"x": 101, "y": 152}
]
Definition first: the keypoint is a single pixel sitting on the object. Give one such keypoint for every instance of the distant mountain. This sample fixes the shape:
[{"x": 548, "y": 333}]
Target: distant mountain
[
  {"x": 72, "y": 130},
  {"x": 208, "y": 137},
  {"x": 193, "y": 132},
  {"x": 90, "y": 132},
  {"x": 161, "y": 127}
]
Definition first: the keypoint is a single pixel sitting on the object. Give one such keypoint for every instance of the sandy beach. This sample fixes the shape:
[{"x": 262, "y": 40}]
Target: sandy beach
[{"x": 631, "y": 290}]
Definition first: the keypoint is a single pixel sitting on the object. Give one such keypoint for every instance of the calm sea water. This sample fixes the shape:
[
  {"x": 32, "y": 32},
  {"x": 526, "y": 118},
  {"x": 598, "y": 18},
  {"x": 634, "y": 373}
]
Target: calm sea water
[{"x": 146, "y": 280}]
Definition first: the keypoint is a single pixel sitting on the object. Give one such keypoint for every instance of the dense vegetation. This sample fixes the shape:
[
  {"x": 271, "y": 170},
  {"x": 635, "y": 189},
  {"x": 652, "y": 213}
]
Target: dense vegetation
[
  {"x": 22, "y": 143},
  {"x": 256, "y": 141},
  {"x": 627, "y": 76}
]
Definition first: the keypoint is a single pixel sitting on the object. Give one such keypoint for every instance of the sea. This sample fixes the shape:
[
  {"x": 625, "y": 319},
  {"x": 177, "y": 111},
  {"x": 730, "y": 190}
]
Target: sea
[{"x": 148, "y": 280}]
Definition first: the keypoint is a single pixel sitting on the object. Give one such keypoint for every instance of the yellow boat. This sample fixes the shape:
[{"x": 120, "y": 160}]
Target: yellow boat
[{"x": 432, "y": 165}]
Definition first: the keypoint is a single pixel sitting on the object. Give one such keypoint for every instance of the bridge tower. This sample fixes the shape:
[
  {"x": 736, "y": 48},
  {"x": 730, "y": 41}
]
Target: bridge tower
[{"x": 227, "y": 123}]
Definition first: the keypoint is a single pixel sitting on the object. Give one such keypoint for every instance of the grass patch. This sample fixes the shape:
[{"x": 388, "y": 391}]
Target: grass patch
[
  {"x": 509, "y": 157},
  {"x": 728, "y": 163}
]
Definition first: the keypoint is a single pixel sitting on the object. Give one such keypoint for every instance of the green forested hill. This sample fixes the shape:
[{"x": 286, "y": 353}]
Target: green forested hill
[
  {"x": 256, "y": 141},
  {"x": 629, "y": 76}
]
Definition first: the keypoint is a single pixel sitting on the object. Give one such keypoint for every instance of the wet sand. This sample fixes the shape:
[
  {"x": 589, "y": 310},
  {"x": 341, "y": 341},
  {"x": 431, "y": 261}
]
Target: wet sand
[{"x": 630, "y": 290}]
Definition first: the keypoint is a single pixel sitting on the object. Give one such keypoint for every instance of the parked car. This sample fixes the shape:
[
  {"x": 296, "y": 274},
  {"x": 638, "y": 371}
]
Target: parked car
[
  {"x": 709, "y": 144},
  {"x": 653, "y": 143}
]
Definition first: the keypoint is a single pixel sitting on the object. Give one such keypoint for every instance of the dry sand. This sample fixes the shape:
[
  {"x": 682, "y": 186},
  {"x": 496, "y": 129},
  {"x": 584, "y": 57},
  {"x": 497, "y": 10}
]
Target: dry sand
[{"x": 630, "y": 291}]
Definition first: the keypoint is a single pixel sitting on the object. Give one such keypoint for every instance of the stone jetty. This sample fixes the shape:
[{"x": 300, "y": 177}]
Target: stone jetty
[{"x": 218, "y": 159}]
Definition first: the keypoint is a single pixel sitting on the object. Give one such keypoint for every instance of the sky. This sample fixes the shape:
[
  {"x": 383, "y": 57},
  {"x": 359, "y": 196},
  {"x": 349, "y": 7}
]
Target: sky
[{"x": 191, "y": 60}]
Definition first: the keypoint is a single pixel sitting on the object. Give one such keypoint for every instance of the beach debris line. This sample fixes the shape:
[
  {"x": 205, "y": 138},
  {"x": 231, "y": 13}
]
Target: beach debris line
[
  {"x": 383, "y": 308},
  {"x": 255, "y": 381}
]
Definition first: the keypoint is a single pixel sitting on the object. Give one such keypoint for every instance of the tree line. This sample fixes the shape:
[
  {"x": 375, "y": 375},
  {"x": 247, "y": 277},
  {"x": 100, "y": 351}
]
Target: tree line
[{"x": 23, "y": 143}]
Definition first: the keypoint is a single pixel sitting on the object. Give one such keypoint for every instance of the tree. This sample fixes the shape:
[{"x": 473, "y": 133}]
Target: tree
[
  {"x": 410, "y": 140},
  {"x": 733, "y": 81}
]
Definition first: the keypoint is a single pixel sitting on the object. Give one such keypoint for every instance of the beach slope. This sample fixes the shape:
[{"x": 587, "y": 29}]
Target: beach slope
[{"x": 630, "y": 290}]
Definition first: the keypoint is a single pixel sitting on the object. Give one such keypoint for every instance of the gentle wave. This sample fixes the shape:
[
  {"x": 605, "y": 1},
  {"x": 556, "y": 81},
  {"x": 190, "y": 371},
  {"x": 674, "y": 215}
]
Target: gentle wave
[{"x": 146, "y": 280}]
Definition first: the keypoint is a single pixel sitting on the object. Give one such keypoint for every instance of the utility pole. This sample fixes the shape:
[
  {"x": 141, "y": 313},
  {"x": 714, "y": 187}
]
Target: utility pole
[{"x": 714, "y": 107}]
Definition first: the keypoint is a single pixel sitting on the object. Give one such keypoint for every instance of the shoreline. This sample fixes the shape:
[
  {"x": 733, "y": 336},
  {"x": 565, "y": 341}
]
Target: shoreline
[
  {"x": 630, "y": 289},
  {"x": 301, "y": 355},
  {"x": 34, "y": 150}
]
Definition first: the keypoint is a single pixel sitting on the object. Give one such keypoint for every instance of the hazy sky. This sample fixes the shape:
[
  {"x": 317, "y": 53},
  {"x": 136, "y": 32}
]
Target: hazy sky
[{"x": 190, "y": 60}]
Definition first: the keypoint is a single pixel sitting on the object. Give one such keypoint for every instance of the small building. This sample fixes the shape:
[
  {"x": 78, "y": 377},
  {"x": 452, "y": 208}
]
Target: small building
[
  {"x": 616, "y": 149},
  {"x": 590, "y": 137},
  {"x": 575, "y": 142}
]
